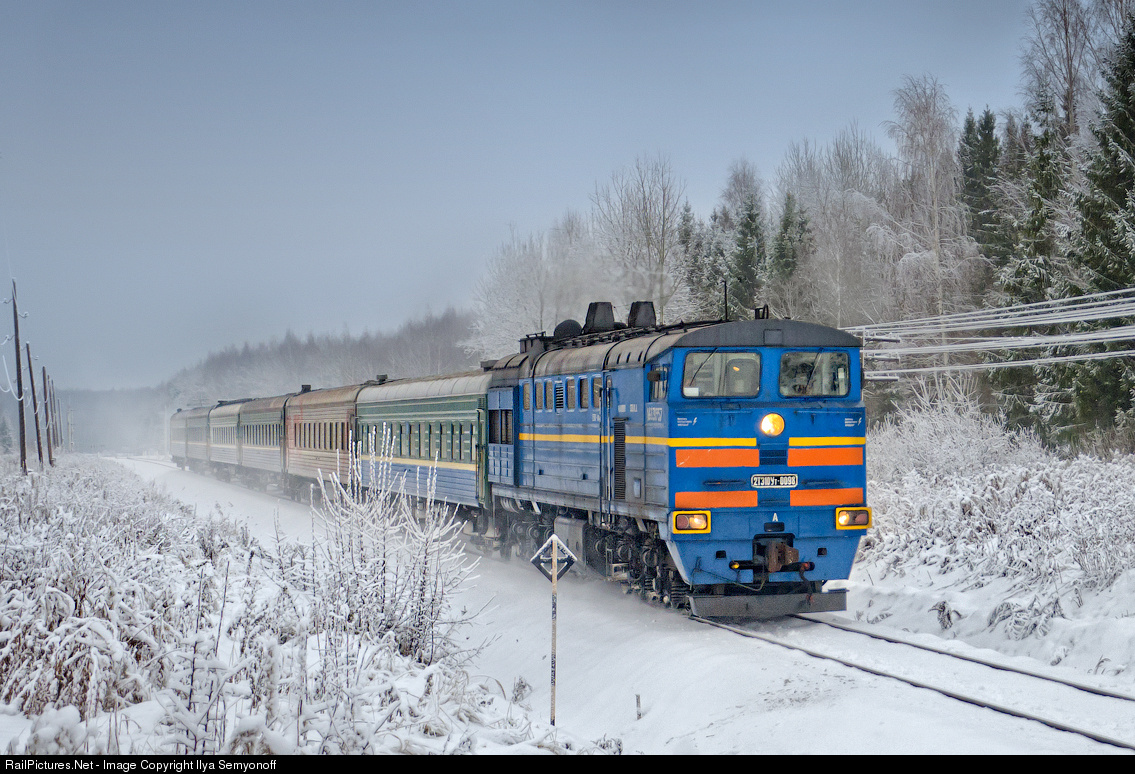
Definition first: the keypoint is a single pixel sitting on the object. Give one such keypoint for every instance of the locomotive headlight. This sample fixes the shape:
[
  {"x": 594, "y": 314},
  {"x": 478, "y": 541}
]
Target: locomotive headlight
[
  {"x": 772, "y": 424},
  {"x": 852, "y": 518},
  {"x": 691, "y": 521}
]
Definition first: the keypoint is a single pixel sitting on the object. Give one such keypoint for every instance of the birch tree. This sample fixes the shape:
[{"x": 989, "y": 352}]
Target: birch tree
[
  {"x": 846, "y": 274},
  {"x": 1058, "y": 59},
  {"x": 930, "y": 228},
  {"x": 637, "y": 217},
  {"x": 534, "y": 282}
]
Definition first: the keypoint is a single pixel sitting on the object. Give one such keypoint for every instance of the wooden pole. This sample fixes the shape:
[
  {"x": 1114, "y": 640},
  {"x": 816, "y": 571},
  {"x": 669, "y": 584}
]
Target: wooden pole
[
  {"x": 35, "y": 407},
  {"x": 53, "y": 412},
  {"x": 58, "y": 418},
  {"x": 47, "y": 417},
  {"x": 20, "y": 385}
]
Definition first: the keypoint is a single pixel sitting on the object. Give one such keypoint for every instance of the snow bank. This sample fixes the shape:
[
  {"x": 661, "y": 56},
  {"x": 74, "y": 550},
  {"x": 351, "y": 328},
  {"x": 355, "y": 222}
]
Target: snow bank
[
  {"x": 983, "y": 535},
  {"x": 129, "y": 625}
]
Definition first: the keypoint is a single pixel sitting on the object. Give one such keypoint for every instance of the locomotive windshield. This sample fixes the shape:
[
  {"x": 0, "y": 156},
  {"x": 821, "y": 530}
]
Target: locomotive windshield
[
  {"x": 819, "y": 374},
  {"x": 721, "y": 375}
]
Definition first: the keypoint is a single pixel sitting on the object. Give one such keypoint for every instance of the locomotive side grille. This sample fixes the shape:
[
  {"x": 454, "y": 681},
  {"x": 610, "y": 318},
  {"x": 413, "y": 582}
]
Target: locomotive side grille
[{"x": 620, "y": 449}]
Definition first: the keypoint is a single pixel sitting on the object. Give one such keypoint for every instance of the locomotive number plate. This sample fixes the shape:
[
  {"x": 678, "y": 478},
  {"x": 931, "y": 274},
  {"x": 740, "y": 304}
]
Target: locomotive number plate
[{"x": 782, "y": 481}]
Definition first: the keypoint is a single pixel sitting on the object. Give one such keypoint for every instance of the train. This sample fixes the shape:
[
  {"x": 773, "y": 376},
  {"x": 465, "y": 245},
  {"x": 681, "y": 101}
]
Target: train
[{"x": 714, "y": 466}]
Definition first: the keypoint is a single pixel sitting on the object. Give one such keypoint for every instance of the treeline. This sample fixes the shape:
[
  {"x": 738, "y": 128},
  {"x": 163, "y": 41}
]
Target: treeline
[
  {"x": 429, "y": 345},
  {"x": 136, "y": 421},
  {"x": 1004, "y": 206}
]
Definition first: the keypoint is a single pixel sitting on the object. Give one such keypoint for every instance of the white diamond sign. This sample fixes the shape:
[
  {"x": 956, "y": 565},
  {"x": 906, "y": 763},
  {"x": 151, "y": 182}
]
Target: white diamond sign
[{"x": 554, "y": 554}]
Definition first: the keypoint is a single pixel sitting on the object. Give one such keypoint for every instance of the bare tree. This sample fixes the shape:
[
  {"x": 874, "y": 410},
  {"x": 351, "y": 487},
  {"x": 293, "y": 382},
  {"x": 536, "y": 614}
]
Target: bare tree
[
  {"x": 534, "y": 282},
  {"x": 637, "y": 218},
  {"x": 846, "y": 190},
  {"x": 512, "y": 298},
  {"x": 1108, "y": 18},
  {"x": 744, "y": 183},
  {"x": 1058, "y": 59},
  {"x": 930, "y": 228}
]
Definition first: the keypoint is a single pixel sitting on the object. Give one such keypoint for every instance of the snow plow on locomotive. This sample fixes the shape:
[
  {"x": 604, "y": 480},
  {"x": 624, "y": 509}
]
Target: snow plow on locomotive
[{"x": 718, "y": 466}]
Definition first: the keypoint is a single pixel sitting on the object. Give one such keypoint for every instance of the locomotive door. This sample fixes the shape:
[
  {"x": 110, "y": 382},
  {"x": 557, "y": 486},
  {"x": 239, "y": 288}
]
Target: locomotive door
[{"x": 613, "y": 468}]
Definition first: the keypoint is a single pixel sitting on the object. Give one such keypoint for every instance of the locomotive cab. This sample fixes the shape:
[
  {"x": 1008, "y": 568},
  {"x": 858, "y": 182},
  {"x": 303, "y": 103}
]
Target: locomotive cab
[{"x": 768, "y": 478}]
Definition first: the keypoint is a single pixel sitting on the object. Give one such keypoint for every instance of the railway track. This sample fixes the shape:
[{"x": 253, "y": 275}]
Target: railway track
[{"x": 1098, "y": 714}]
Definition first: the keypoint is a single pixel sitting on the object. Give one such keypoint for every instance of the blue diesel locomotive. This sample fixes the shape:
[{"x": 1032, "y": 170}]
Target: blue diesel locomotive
[{"x": 718, "y": 466}]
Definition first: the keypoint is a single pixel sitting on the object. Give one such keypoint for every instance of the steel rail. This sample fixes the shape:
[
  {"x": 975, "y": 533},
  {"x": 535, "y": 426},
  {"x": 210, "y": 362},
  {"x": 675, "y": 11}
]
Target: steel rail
[
  {"x": 972, "y": 659},
  {"x": 1054, "y": 724}
]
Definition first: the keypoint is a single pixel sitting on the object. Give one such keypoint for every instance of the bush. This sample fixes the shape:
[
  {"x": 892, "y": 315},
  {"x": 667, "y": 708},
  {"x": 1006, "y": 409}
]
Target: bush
[
  {"x": 953, "y": 491},
  {"x": 112, "y": 595}
]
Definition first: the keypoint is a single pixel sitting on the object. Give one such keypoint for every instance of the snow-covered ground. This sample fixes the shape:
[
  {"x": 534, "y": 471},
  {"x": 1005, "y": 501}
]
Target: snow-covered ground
[
  {"x": 704, "y": 690},
  {"x": 985, "y": 545}
]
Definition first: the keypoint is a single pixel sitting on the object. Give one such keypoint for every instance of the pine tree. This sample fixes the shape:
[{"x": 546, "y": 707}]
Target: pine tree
[
  {"x": 792, "y": 240},
  {"x": 703, "y": 248},
  {"x": 1032, "y": 273},
  {"x": 748, "y": 261},
  {"x": 790, "y": 247},
  {"x": 979, "y": 155},
  {"x": 1028, "y": 276},
  {"x": 1104, "y": 241}
]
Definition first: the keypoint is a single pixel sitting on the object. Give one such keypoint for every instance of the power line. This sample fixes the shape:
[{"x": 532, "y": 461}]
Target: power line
[
  {"x": 911, "y": 334},
  {"x": 1097, "y": 306},
  {"x": 993, "y": 366}
]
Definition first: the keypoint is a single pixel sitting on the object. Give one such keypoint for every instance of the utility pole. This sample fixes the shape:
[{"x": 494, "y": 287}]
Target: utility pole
[
  {"x": 53, "y": 412},
  {"x": 20, "y": 385},
  {"x": 47, "y": 417},
  {"x": 35, "y": 407},
  {"x": 58, "y": 415}
]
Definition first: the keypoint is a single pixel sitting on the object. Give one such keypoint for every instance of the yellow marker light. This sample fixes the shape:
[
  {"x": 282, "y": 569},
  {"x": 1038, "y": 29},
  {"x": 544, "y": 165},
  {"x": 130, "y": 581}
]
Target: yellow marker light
[
  {"x": 691, "y": 521},
  {"x": 852, "y": 518},
  {"x": 772, "y": 424}
]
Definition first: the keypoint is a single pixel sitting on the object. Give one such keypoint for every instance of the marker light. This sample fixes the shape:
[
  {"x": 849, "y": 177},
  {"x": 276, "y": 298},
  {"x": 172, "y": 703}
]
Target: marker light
[
  {"x": 852, "y": 518},
  {"x": 691, "y": 521},
  {"x": 772, "y": 424}
]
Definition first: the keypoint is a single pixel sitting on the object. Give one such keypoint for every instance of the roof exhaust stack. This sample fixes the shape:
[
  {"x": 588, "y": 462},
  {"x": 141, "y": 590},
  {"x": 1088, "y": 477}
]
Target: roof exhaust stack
[
  {"x": 600, "y": 317},
  {"x": 305, "y": 388},
  {"x": 642, "y": 315}
]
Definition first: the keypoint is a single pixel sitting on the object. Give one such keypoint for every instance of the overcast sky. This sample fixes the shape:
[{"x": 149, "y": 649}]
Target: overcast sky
[{"x": 176, "y": 177}]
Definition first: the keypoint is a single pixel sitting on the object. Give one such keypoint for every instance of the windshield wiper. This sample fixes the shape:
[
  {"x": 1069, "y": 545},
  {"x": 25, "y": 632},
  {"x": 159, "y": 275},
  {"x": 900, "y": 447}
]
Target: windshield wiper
[
  {"x": 697, "y": 370},
  {"x": 812, "y": 375}
]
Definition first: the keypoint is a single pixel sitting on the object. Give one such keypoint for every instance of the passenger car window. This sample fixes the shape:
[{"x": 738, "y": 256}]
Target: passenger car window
[
  {"x": 721, "y": 375},
  {"x": 815, "y": 374}
]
